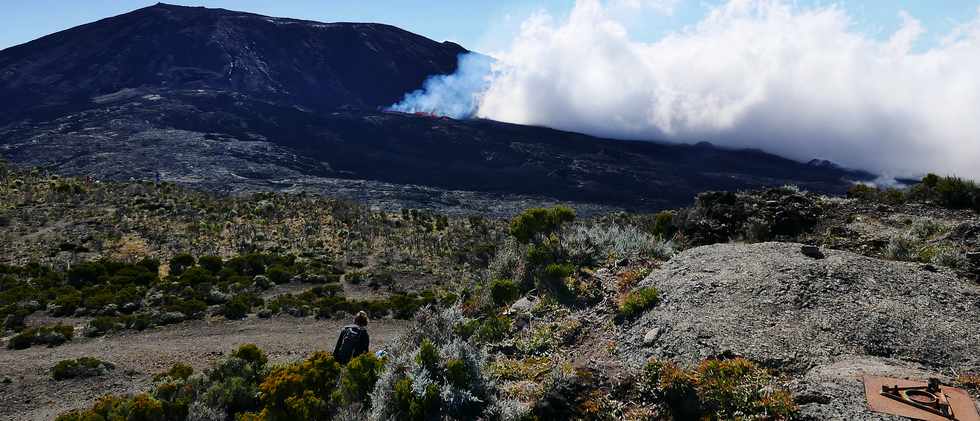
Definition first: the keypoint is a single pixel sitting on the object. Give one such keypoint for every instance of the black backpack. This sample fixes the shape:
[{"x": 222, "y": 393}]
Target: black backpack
[{"x": 347, "y": 344}]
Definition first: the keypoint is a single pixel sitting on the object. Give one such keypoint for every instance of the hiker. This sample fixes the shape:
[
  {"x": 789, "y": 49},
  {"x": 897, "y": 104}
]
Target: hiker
[{"x": 353, "y": 340}]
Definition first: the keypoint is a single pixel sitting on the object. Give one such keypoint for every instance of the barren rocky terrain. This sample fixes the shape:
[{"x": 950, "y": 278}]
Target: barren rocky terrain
[{"x": 824, "y": 322}]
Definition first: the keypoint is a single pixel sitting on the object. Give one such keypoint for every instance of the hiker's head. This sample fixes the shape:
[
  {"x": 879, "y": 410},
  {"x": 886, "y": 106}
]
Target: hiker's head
[{"x": 361, "y": 319}]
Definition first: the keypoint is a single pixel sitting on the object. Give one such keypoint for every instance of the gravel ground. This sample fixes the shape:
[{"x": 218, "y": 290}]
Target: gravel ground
[{"x": 33, "y": 395}]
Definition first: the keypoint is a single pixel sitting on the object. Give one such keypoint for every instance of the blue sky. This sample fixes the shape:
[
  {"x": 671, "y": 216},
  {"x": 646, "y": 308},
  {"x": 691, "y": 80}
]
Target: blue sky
[{"x": 480, "y": 25}]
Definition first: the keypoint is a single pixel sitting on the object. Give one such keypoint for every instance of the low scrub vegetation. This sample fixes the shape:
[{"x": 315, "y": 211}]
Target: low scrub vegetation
[
  {"x": 52, "y": 335},
  {"x": 638, "y": 301},
  {"x": 720, "y": 389},
  {"x": 949, "y": 192},
  {"x": 430, "y": 373},
  {"x": 80, "y": 367}
]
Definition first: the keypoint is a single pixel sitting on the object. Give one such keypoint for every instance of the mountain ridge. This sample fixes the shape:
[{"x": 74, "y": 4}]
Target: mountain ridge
[{"x": 319, "y": 65}]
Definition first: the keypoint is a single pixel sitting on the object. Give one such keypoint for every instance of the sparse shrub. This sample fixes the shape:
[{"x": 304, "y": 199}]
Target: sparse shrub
[
  {"x": 180, "y": 263},
  {"x": 358, "y": 380},
  {"x": 956, "y": 193},
  {"x": 50, "y": 335},
  {"x": 504, "y": 291},
  {"x": 178, "y": 371},
  {"x": 212, "y": 264},
  {"x": 278, "y": 274},
  {"x": 720, "y": 389},
  {"x": 663, "y": 225},
  {"x": 537, "y": 223},
  {"x": 949, "y": 257},
  {"x": 546, "y": 336},
  {"x": 251, "y": 354},
  {"x": 431, "y": 373},
  {"x": 969, "y": 381},
  {"x": 297, "y": 391},
  {"x": 81, "y": 367},
  {"x": 237, "y": 308},
  {"x": 192, "y": 308},
  {"x": 22, "y": 340},
  {"x": 638, "y": 301},
  {"x": 101, "y": 325},
  {"x": 592, "y": 243},
  {"x": 903, "y": 247},
  {"x": 141, "y": 407},
  {"x": 926, "y": 228},
  {"x": 862, "y": 191},
  {"x": 493, "y": 329},
  {"x": 736, "y": 386},
  {"x": 757, "y": 230}
]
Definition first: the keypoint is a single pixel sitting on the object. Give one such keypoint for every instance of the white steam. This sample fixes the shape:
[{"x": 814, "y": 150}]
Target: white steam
[
  {"x": 456, "y": 95},
  {"x": 799, "y": 82}
]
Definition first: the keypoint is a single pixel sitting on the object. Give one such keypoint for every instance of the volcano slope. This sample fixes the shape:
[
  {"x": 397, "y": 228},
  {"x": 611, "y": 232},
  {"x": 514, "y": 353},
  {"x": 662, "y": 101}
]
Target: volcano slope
[
  {"x": 824, "y": 322},
  {"x": 231, "y": 102}
]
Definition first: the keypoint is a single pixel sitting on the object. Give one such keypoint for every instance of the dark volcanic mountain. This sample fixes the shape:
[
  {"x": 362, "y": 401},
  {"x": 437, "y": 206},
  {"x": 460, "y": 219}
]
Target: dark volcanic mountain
[
  {"x": 234, "y": 102},
  {"x": 318, "y": 65}
]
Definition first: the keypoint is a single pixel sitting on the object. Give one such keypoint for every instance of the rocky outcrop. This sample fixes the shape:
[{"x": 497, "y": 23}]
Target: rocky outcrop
[{"x": 825, "y": 322}]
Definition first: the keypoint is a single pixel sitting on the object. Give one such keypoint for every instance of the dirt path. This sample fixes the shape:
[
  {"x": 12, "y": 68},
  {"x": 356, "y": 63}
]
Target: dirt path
[{"x": 33, "y": 395}]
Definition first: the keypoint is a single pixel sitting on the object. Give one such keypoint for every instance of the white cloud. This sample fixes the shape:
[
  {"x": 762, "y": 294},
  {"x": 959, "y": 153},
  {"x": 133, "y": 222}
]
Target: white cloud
[
  {"x": 665, "y": 7},
  {"x": 800, "y": 82}
]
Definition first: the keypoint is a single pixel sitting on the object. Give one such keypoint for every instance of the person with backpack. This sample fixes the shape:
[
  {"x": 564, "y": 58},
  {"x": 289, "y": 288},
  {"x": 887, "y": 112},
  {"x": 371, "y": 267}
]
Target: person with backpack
[{"x": 353, "y": 340}]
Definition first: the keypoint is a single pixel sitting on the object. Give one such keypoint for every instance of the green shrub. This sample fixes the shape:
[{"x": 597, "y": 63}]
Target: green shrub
[
  {"x": 720, "y": 389},
  {"x": 84, "y": 274},
  {"x": 278, "y": 274},
  {"x": 237, "y": 308},
  {"x": 428, "y": 356},
  {"x": 358, "y": 379},
  {"x": 50, "y": 335},
  {"x": 297, "y": 391},
  {"x": 81, "y": 367},
  {"x": 22, "y": 340},
  {"x": 457, "y": 374},
  {"x": 736, "y": 386},
  {"x": 178, "y": 371},
  {"x": 493, "y": 329},
  {"x": 537, "y": 223},
  {"x": 413, "y": 407},
  {"x": 141, "y": 407},
  {"x": 103, "y": 324},
  {"x": 638, "y": 301},
  {"x": 956, "y": 193},
  {"x": 663, "y": 225},
  {"x": 211, "y": 264},
  {"x": 903, "y": 247},
  {"x": 251, "y": 354},
  {"x": 863, "y": 192},
  {"x": 180, "y": 263},
  {"x": 504, "y": 292},
  {"x": 192, "y": 308}
]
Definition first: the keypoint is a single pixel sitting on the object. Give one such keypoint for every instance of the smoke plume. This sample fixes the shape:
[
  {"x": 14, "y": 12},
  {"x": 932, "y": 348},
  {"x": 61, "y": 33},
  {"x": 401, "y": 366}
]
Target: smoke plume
[
  {"x": 456, "y": 95},
  {"x": 799, "y": 82}
]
